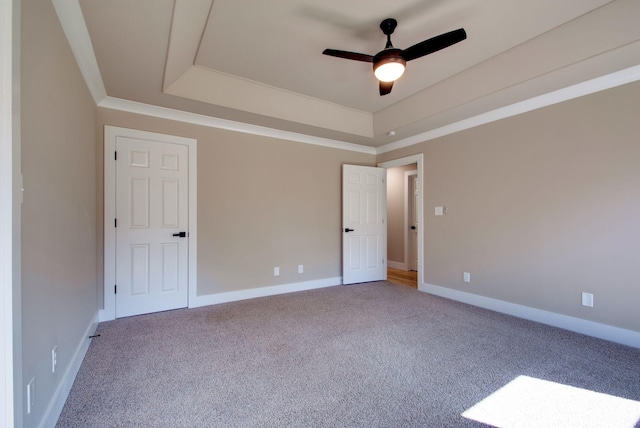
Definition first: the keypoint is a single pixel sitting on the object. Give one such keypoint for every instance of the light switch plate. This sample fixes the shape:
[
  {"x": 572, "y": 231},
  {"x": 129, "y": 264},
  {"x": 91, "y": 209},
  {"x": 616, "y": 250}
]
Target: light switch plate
[{"x": 439, "y": 211}]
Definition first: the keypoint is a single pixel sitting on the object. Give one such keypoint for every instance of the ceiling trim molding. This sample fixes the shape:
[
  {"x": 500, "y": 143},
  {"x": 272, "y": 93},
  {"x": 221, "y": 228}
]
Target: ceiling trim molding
[
  {"x": 597, "y": 84},
  {"x": 187, "y": 26},
  {"x": 229, "y": 125},
  {"x": 75, "y": 28},
  {"x": 215, "y": 87}
]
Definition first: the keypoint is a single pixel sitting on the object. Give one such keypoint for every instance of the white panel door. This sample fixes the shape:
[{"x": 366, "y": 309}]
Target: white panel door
[
  {"x": 152, "y": 213},
  {"x": 364, "y": 228}
]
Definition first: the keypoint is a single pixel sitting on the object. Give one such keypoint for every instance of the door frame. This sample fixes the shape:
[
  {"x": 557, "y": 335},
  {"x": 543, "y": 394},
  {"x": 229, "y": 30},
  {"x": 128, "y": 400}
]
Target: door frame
[
  {"x": 407, "y": 218},
  {"x": 418, "y": 160},
  {"x": 10, "y": 218},
  {"x": 111, "y": 133}
]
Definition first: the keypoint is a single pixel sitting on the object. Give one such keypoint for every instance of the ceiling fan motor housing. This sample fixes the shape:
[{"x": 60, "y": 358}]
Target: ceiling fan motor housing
[{"x": 390, "y": 55}]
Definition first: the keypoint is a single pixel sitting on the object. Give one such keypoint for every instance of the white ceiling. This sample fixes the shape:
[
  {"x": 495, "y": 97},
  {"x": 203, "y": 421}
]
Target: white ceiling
[{"x": 261, "y": 62}]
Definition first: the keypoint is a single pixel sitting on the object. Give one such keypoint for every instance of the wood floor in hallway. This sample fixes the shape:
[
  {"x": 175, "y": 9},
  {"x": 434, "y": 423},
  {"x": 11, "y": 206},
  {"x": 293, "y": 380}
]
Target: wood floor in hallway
[{"x": 402, "y": 277}]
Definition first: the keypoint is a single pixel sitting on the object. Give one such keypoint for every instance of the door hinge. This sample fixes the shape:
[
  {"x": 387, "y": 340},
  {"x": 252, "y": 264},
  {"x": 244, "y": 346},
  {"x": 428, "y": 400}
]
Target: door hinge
[
  {"x": 115, "y": 289},
  {"x": 115, "y": 155},
  {"x": 115, "y": 222}
]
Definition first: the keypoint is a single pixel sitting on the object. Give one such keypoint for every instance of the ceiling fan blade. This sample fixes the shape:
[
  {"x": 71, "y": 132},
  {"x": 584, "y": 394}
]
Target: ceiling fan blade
[
  {"x": 385, "y": 88},
  {"x": 434, "y": 44},
  {"x": 349, "y": 55}
]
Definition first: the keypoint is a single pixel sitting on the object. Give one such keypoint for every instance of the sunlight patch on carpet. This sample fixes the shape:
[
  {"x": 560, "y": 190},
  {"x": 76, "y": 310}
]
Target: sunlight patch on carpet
[{"x": 531, "y": 402}]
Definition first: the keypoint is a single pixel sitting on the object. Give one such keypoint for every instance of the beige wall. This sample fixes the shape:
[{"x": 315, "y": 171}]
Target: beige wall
[
  {"x": 58, "y": 216},
  {"x": 396, "y": 212},
  {"x": 541, "y": 207},
  {"x": 262, "y": 202}
]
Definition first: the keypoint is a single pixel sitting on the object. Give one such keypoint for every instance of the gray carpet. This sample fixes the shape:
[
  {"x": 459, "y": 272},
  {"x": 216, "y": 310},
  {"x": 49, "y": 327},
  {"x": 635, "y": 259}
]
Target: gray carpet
[{"x": 362, "y": 355}]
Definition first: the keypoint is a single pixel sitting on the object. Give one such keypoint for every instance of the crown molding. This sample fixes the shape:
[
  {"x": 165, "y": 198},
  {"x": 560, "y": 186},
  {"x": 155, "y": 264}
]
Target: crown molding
[
  {"x": 229, "y": 125},
  {"x": 587, "y": 87},
  {"x": 597, "y": 84},
  {"x": 75, "y": 29}
]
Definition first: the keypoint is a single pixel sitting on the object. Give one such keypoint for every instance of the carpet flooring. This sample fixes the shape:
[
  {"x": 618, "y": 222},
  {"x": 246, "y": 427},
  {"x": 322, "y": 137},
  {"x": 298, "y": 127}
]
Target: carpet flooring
[{"x": 366, "y": 355}]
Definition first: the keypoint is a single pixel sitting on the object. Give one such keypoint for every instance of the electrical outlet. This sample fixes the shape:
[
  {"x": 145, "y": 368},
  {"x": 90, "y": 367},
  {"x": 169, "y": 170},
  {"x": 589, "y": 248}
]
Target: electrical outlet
[
  {"x": 300, "y": 269},
  {"x": 466, "y": 277},
  {"x": 276, "y": 271},
  {"x": 587, "y": 299},
  {"x": 54, "y": 358},
  {"x": 31, "y": 395}
]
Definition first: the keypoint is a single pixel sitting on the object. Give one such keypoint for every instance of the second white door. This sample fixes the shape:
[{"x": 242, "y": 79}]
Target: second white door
[{"x": 364, "y": 228}]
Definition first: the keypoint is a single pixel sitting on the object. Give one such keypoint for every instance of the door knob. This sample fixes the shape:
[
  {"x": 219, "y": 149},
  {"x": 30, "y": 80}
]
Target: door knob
[
  {"x": 181, "y": 234},
  {"x": 346, "y": 229},
  {"x": 413, "y": 228}
]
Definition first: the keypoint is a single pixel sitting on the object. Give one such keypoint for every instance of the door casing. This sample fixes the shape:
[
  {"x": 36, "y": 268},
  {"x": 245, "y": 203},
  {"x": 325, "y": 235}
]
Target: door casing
[
  {"x": 410, "y": 202},
  {"x": 111, "y": 134}
]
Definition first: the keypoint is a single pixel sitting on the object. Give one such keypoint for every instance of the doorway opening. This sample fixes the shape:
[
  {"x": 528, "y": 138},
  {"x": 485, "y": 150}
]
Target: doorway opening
[{"x": 405, "y": 234}]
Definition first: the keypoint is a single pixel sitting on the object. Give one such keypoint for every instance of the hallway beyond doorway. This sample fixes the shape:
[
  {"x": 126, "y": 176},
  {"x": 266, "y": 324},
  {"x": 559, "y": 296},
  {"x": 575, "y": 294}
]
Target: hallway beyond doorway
[{"x": 402, "y": 277}]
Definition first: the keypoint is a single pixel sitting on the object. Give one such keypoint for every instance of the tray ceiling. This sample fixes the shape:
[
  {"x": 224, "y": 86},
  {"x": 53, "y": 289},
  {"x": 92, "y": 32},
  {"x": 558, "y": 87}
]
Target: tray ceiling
[{"x": 261, "y": 62}]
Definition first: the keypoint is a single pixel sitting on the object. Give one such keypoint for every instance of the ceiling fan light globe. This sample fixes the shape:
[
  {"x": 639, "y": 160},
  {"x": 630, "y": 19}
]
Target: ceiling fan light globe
[{"x": 389, "y": 72}]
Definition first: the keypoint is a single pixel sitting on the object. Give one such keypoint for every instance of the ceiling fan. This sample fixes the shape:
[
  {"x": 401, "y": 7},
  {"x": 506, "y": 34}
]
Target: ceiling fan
[{"x": 389, "y": 63}]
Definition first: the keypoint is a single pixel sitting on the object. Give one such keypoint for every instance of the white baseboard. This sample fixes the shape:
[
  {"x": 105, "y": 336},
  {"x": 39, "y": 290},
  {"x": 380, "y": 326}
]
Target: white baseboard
[
  {"x": 56, "y": 404},
  {"x": 397, "y": 265},
  {"x": 578, "y": 325},
  {"x": 104, "y": 316},
  {"x": 232, "y": 296}
]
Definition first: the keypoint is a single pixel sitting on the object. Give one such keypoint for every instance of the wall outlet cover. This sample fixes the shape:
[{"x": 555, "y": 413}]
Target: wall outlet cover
[{"x": 587, "y": 300}]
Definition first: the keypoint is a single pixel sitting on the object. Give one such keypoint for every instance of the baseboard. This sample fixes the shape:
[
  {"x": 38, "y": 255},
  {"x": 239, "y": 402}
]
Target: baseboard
[
  {"x": 56, "y": 404},
  {"x": 233, "y": 296},
  {"x": 103, "y": 316},
  {"x": 578, "y": 325},
  {"x": 397, "y": 265}
]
